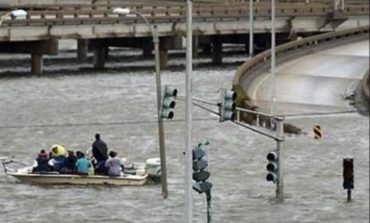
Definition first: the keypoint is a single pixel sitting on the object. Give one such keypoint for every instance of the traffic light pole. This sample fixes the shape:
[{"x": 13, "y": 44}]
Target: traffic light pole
[
  {"x": 208, "y": 195},
  {"x": 162, "y": 150},
  {"x": 279, "y": 145},
  {"x": 188, "y": 115}
]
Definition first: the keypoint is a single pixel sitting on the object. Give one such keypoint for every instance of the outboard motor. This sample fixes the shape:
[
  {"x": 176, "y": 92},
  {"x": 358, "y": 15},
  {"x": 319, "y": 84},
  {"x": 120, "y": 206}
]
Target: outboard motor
[{"x": 153, "y": 167}]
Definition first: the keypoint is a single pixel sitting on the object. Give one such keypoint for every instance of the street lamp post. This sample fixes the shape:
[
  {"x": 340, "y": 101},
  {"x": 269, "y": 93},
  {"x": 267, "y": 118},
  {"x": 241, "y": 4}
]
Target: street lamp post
[
  {"x": 273, "y": 43},
  {"x": 279, "y": 124},
  {"x": 251, "y": 28},
  {"x": 153, "y": 29}
]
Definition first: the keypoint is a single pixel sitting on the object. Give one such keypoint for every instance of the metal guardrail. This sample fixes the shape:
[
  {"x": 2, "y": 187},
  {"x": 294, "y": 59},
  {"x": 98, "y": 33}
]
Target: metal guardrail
[
  {"x": 102, "y": 14},
  {"x": 288, "y": 48}
]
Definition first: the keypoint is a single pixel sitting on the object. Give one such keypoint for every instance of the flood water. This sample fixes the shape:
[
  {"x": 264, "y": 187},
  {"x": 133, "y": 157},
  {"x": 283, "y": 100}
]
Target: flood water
[{"x": 72, "y": 102}]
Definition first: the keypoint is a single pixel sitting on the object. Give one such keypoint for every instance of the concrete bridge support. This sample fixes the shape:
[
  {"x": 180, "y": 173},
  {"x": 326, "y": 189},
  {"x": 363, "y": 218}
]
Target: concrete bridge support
[
  {"x": 82, "y": 49},
  {"x": 147, "y": 48},
  {"x": 217, "y": 50},
  {"x": 36, "y": 64},
  {"x": 165, "y": 43},
  {"x": 100, "y": 54},
  {"x": 195, "y": 46},
  {"x": 36, "y": 48}
]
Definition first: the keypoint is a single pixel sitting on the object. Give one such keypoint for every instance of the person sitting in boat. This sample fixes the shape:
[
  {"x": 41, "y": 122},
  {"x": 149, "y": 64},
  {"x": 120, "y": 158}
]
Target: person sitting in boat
[
  {"x": 100, "y": 154},
  {"x": 82, "y": 164},
  {"x": 114, "y": 165},
  {"x": 58, "y": 156},
  {"x": 41, "y": 163},
  {"x": 69, "y": 163}
]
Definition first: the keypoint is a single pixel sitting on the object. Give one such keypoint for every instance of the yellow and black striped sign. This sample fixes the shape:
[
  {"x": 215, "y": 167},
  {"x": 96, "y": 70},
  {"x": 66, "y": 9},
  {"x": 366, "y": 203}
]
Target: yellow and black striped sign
[{"x": 317, "y": 132}]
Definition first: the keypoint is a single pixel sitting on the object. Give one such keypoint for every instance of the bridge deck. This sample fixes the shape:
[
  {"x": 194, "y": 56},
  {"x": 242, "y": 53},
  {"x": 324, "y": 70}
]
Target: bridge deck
[{"x": 318, "y": 81}]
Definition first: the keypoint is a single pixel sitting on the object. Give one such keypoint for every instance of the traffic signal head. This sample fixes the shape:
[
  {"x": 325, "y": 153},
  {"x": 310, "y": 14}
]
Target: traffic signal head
[
  {"x": 348, "y": 178},
  {"x": 170, "y": 91},
  {"x": 199, "y": 164},
  {"x": 272, "y": 166},
  {"x": 201, "y": 187},
  {"x": 227, "y": 110},
  {"x": 200, "y": 174},
  {"x": 198, "y": 153},
  {"x": 168, "y": 102}
]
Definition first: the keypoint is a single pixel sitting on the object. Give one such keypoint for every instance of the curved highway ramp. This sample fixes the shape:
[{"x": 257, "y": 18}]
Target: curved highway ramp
[{"x": 319, "y": 82}]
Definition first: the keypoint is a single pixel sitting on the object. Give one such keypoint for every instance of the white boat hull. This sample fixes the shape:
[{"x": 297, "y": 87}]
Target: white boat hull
[
  {"x": 136, "y": 174},
  {"x": 58, "y": 179}
]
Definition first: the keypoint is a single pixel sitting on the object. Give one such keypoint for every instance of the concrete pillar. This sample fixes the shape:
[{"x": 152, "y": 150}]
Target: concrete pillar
[
  {"x": 217, "y": 50},
  {"x": 206, "y": 48},
  {"x": 163, "y": 52},
  {"x": 178, "y": 45},
  {"x": 99, "y": 57},
  {"x": 163, "y": 58},
  {"x": 106, "y": 52},
  {"x": 195, "y": 46},
  {"x": 36, "y": 64},
  {"x": 82, "y": 47},
  {"x": 148, "y": 48}
]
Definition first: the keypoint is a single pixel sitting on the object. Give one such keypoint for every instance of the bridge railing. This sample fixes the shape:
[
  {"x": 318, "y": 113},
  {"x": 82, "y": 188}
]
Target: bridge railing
[
  {"x": 261, "y": 60},
  {"x": 59, "y": 15}
]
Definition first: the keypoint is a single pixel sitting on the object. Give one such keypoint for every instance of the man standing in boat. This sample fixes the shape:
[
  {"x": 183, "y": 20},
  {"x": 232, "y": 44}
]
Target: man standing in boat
[{"x": 100, "y": 153}]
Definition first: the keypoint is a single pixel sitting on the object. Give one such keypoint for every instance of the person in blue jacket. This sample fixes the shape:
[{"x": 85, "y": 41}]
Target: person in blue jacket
[
  {"x": 82, "y": 164},
  {"x": 69, "y": 163}
]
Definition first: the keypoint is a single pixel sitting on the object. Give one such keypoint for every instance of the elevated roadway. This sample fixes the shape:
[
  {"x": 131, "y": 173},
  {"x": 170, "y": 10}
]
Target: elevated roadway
[
  {"x": 322, "y": 79},
  {"x": 39, "y": 32}
]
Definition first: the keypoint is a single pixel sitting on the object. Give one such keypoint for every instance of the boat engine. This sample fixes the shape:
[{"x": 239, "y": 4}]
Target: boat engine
[{"x": 153, "y": 167}]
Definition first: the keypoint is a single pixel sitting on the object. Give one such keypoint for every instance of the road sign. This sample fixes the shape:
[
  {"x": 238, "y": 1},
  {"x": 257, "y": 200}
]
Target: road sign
[{"x": 317, "y": 132}]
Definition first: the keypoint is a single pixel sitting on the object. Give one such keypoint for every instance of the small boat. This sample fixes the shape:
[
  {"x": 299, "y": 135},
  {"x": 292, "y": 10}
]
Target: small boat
[{"x": 135, "y": 174}]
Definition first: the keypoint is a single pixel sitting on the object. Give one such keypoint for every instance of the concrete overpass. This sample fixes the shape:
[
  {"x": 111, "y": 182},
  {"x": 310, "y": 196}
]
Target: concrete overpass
[
  {"x": 327, "y": 73},
  {"x": 213, "y": 25}
]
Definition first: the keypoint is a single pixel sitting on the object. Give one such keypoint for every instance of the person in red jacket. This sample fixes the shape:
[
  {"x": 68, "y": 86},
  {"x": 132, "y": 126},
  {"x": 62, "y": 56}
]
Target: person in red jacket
[{"x": 41, "y": 163}]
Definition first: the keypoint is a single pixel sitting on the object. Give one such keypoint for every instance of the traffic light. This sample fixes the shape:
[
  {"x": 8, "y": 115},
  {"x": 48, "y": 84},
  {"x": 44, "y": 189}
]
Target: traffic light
[
  {"x": 168, "y": 102},
  {"x": 227, "y": 110},
  {"x": 200, "y": 174},
  {"x": 348, "y": 182},
  {"x": 272, "y": 166}
]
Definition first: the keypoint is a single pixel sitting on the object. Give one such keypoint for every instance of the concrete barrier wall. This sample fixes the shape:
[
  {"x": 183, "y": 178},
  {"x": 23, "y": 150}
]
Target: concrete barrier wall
[{"x": 365, "y": 86}]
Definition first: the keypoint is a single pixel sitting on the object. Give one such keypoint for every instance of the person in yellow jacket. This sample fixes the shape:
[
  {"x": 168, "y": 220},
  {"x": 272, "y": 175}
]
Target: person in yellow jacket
[
  {"x": 57, "y": 150},
  {"x": 58, "y": 156}
]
